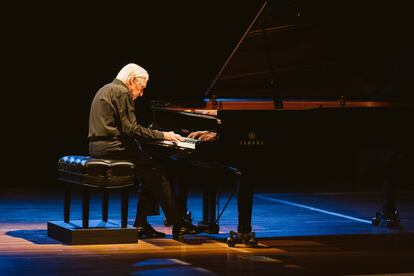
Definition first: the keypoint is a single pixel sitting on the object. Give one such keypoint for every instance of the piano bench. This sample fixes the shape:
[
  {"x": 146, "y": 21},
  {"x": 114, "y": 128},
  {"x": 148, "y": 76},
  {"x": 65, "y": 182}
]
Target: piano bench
[{"x": 94, "y": 174}]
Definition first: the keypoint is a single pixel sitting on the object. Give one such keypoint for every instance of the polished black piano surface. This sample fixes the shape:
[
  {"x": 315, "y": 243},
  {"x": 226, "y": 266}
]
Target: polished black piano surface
[
  {"x": 296, "y": 90},
  {"x": 292, "y": 76}
]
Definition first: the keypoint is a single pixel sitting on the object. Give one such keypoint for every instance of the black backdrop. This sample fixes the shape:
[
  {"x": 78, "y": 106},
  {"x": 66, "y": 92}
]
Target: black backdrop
[{"x": 55, "y": 57}]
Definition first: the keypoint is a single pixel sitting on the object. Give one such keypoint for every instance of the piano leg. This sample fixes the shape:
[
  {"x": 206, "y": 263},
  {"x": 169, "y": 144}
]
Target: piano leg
[
  {"x": 391, "y": 161},
  {"x": 244, "y": 205},
  {"x": 180, "y": 187},
  {"x": 389, "y": 216},
  {"x": 209, "y": 223},
  {"x": 244, "y": 232}
]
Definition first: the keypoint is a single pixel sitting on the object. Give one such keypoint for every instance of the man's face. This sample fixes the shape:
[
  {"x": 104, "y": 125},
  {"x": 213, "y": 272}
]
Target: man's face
[{"x": 137, "y": 87}]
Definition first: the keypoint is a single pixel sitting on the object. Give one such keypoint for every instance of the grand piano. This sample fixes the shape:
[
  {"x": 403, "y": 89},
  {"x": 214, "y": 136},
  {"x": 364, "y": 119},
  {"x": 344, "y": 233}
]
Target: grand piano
[{"x": 291, "y": 88}]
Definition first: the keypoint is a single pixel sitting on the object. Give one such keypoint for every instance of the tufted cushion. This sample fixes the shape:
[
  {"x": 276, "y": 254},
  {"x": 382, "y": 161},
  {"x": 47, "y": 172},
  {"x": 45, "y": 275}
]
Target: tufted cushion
[{"x": 99, "y": 173}]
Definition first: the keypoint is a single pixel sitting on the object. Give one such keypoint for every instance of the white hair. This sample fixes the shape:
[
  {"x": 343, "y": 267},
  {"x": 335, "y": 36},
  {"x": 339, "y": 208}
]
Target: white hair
[{"x": 132, "y": 70}]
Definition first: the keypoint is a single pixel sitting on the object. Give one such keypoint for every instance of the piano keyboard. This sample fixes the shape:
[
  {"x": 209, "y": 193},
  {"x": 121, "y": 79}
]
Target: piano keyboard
[{"x": 188, "y": 143}]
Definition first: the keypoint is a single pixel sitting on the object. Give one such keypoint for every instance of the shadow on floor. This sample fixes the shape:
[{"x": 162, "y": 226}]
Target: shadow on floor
[{"x": 36, "y": 236}]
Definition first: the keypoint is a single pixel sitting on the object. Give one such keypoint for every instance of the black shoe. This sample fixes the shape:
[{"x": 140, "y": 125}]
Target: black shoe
[
  {"x": 185, "y": 228},
  {"x": 147, "y": 232}
]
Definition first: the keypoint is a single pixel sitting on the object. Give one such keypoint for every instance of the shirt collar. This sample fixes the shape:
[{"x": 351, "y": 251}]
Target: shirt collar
[{"x": 119, "y": 82}]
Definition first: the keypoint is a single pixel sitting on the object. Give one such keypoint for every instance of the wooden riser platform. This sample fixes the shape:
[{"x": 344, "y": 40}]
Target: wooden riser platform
[{"x": 99, "y": 232}]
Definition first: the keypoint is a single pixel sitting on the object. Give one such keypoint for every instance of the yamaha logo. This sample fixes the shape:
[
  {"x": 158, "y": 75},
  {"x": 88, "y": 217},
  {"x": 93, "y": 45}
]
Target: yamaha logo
[{"x": 251, "y": 140}]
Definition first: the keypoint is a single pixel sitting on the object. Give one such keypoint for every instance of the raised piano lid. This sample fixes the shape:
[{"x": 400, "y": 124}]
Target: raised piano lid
[
  {"x": 323, "y": 54},
  {"x": 195, "y": 41}
]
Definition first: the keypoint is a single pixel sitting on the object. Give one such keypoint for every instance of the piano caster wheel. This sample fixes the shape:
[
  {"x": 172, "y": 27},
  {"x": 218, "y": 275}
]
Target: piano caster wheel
[
  {"x": 232, "y": 239},
  {"x": 377, "y": 219},
  {"x": 249, "y": 239},
  {"x": 230, "y": 242},
  {"x": 391, "y": 221}
]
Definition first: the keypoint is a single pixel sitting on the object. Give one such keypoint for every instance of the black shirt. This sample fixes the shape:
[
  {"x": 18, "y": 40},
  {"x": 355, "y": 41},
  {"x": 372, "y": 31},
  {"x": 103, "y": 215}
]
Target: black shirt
[{"x": 112, "y": 121}]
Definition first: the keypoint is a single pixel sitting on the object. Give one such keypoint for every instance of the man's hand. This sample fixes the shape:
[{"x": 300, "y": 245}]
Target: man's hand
[
  {"x": 171, "y": 136},
  {"x": 203, "y": 135}
]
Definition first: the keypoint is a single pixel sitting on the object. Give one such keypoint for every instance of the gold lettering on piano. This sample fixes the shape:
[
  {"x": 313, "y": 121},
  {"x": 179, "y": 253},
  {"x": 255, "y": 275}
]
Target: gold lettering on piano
[
  {"x": 251, "y": 143},
  {"x": 251, "y": 140}
]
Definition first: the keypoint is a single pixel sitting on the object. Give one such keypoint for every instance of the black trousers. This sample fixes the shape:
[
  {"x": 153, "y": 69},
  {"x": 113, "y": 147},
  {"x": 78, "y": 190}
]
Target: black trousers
[
  {"x": 154, "y": 188},
  {"x": 213, "y": 170}
]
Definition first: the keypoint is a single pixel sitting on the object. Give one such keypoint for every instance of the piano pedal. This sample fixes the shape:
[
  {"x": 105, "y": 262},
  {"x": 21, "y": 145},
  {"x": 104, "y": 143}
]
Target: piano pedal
[
  {"x": 208, "y": 227},
  {"x": 389, "y": 220},
  {"x": 249, "y": 239}
]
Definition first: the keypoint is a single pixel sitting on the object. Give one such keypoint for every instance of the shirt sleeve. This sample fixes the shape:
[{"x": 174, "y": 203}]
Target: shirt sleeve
[{"x": 128, "y": 121}]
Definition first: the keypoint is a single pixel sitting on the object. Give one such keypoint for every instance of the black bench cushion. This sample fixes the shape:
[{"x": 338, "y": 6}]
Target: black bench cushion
[{"x": 99, "y": 173}]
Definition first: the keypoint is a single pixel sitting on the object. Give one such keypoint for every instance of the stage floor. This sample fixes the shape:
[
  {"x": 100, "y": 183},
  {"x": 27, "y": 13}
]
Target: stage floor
[{"x": 299, "y": 234}]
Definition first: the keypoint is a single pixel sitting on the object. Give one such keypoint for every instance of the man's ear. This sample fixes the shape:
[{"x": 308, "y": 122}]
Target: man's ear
[{"x": 130, "y": 80}]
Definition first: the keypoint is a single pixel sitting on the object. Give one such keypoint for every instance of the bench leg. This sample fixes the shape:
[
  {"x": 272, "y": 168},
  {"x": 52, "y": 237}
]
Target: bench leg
[
  {"x": 85, "y": 207},
  {"x": 105, "y": 205},
  {"x": 124, "y": 207},
  {"x": 66, "y": 204}
]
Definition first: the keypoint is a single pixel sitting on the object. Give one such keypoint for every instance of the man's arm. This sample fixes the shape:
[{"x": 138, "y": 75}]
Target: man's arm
[{"x": 131, "y": 128}]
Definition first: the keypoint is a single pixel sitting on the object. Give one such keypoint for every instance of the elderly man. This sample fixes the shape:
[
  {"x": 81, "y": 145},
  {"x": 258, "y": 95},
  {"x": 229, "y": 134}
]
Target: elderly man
[{"x": 113, "y": 134}]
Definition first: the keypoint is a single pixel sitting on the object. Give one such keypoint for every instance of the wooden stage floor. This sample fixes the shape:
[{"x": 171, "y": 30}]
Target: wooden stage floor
[{"x": 299, "y": 234}]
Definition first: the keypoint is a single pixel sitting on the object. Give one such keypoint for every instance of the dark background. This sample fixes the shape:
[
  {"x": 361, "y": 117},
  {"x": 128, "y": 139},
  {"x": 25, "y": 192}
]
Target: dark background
[{"x": 56, "y": 56}]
